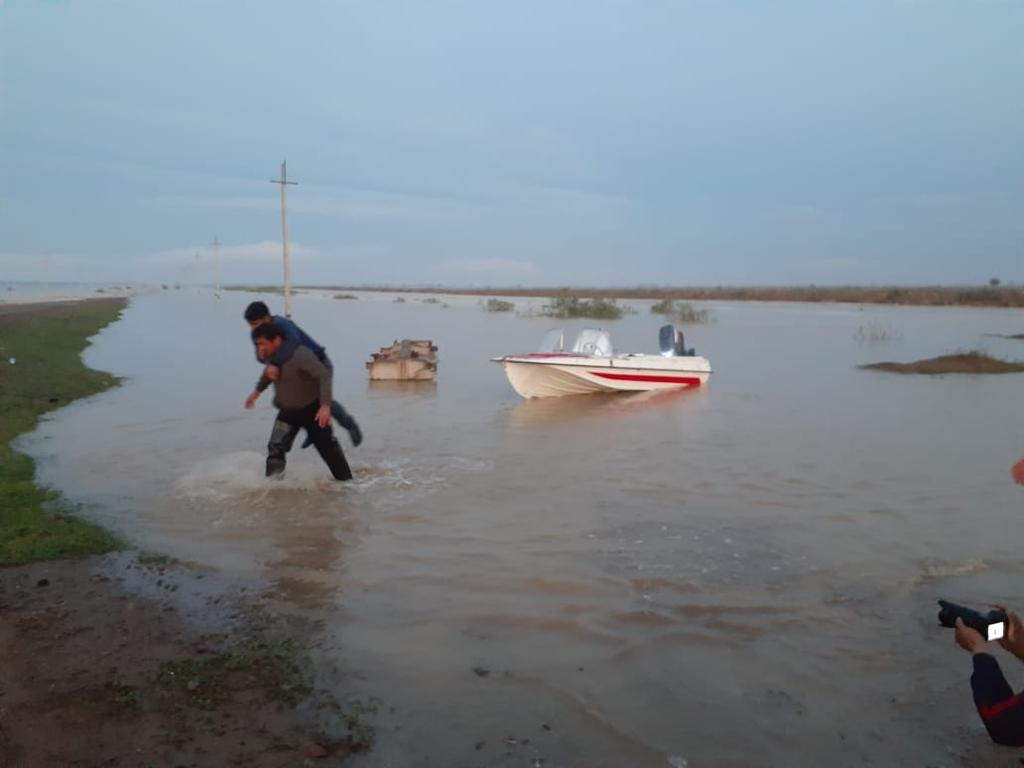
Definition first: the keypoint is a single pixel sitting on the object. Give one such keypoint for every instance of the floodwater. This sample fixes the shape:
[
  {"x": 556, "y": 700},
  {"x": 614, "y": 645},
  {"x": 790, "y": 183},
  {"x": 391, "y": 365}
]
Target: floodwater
[{"x": 741, "y": 575}]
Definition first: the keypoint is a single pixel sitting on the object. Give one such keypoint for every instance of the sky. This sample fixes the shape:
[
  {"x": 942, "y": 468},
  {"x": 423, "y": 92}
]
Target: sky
[{"x": 534, "y": 142}]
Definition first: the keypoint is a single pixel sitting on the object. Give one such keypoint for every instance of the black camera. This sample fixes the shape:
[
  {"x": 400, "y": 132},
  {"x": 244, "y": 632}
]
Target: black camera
[{"x": 991, "y": 625}]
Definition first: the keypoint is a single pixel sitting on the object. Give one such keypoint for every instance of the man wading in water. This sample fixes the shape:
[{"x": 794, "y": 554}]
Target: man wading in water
[
  {"x": 257, "y": 314},
  {"x": 302, "y": 395}
]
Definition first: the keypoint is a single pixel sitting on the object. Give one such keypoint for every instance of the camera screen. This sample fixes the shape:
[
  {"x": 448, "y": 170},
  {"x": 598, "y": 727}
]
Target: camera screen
[{"x": 995, "y": 631}]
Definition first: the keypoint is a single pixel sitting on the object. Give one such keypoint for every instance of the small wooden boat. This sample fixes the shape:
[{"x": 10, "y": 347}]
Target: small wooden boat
[{"x": 406, "y": 360}]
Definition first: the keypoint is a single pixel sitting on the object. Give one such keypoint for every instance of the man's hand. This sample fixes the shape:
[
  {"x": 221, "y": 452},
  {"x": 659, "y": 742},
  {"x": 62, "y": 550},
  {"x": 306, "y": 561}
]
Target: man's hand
[
  {"x": 272, "y": 372},
  {"x": 1013, "y": 640},
  {"x": 1018, "y": 472},
  {"x": 250, "y": 401},
  {"x": 323, "y": 416},
  {"x": 969, "y": 639}
]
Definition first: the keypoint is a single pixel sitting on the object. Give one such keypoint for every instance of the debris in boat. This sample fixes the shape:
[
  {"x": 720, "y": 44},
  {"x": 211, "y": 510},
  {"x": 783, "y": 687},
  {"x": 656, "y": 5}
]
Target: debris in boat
[{"x": 406, "y": 360}]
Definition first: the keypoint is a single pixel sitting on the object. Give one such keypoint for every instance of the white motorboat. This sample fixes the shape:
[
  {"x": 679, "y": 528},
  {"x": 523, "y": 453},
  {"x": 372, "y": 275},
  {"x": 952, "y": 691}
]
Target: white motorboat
[{"x": 592, "y": 365}]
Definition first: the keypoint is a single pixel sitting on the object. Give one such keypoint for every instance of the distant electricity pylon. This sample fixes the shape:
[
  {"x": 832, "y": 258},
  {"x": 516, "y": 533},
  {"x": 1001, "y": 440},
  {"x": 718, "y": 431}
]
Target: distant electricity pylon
[
  {"x": 283, "y": 181},
  {"x": 216, "y": 264}
]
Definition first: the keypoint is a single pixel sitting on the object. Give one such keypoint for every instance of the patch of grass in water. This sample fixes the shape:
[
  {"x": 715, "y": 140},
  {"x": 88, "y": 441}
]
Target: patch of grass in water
[
  {"x": 961, "y": 362},
  {"x": 681, "y": 311},
  {"x": 566, "y": 306},
  {"x": 499, "y": 305},
  {"x": 876, "y": 332},
  {"x": 48, "y": 372}
]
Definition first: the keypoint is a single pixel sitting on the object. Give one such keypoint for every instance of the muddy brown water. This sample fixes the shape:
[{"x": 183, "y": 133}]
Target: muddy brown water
[{"x": 742, "y": 575}]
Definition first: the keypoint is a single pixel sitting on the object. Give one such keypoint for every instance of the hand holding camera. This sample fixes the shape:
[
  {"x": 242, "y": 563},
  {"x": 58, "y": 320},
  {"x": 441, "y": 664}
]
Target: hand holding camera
[
  {"x": 990, "y": 626},
  {"x": 974, "y": 628},
  {"x": 1013, "y": 641}
]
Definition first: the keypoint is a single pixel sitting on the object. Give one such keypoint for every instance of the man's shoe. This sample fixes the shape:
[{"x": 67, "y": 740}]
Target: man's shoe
[{"x": 354, "y": 432}]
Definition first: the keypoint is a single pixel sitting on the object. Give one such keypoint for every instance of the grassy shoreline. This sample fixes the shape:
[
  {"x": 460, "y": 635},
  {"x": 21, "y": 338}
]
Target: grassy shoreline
[
  {"x": 924, "y": 296},
  {"x": 45, "y": 341},
  {"x": 240, "y": 691}
]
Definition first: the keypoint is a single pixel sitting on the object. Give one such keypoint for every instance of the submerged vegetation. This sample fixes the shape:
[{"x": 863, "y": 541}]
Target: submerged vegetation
[
  {"x": 499, "y": 305},
  {"x": 566, "y": 306},
  {"x": 681, "y": 311},
  {"x": 876, "y": 332},
  {"x": 932, "y": 296},
  {"x": 961, "y": 362},
  {"x": 345, "y": 296},
  {"x": 41, "y": 369}
]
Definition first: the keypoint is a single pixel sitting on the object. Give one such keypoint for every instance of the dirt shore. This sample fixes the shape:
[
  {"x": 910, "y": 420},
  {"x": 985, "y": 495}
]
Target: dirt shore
[
  {"x": 127, "y": 659},
  {"x": 93, "y": 673}
]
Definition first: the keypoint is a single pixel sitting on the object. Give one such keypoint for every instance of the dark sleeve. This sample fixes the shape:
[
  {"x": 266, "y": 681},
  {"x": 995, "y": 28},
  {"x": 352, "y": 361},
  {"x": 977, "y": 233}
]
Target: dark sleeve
[
  {"x": 291, "y": 336},
  {"x": 1001, "y": 711},
  {"x": 305, "y": 340},
  {"x": 263, "y": 383},
  {"x": 307, "y": 362}
]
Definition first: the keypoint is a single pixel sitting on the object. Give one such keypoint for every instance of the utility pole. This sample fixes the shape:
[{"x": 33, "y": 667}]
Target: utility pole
[
  {"x": 283, "y": 181},
  {"x": 216, "y": 264}
]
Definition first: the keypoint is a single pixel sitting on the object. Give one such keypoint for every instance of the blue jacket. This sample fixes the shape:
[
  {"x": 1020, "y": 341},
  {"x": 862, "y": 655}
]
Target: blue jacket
[{"x": 294, "y": 337}]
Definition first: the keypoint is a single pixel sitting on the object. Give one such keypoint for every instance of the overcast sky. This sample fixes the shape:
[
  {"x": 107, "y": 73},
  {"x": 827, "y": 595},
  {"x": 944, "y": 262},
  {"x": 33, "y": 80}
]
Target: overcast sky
[{"x": 600, "y": 142}]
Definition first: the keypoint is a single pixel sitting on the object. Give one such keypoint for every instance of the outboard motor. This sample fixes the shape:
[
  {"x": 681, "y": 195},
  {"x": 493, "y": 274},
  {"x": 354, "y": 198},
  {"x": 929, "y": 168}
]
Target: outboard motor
[{"x": 671, "y": 342}]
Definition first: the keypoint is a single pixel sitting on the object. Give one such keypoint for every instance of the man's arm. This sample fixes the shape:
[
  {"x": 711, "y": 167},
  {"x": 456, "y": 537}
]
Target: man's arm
[
  {"x": 270, "y": 373},
  {"x": 1001, "y": 711}
]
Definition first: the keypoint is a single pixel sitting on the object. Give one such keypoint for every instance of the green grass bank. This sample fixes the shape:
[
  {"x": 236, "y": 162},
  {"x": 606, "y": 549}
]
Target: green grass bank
[{"x": 45, "y": 341}]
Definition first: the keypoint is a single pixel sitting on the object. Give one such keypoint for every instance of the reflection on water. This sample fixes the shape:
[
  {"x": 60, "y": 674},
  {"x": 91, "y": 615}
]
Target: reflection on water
[
  {"x": 551, "y": 411},
  {"x": 738, "y": 575}
]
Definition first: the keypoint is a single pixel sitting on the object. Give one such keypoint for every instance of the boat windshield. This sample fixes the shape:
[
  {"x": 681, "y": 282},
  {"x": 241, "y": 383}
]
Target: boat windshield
[
  {"x": 554, "y": 341},
  {"x": 593, "y": 341}
]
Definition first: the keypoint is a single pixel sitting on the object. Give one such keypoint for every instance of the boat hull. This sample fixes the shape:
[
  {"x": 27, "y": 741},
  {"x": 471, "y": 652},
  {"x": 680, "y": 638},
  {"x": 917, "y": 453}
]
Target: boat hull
[{"x": 558, "y": 375}]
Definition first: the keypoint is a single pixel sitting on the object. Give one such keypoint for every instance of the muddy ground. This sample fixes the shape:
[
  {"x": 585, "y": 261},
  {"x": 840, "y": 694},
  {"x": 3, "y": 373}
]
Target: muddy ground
[{"x": 98, "y": 667}]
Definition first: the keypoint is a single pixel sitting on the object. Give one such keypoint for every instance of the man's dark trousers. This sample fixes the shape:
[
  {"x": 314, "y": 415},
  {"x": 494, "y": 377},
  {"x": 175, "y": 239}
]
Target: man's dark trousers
[{"x": 287, "y": 426}]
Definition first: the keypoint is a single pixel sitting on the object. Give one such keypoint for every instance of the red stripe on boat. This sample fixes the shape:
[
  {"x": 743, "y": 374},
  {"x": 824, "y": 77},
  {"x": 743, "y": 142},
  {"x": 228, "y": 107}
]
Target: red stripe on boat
[{"x": 691, "y": 381}]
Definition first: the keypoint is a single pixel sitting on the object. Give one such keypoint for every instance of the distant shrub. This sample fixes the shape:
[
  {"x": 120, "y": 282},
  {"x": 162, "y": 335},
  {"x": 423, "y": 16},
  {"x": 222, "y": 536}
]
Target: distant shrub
[
  {"x": 431, "y": 300},
  {"x": 399, "y": 300},
  {"x": 498, "y": 305},
  {"x": 876, "y": 332},
  {"x": 681, "y": 311},
  {"x": 344, "y": 296},
  {"x": 573, "y": 306}
]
